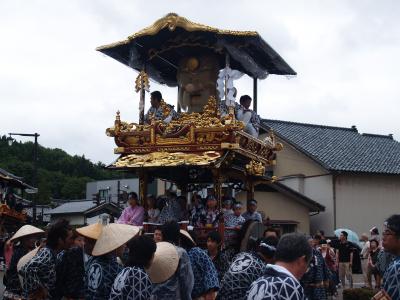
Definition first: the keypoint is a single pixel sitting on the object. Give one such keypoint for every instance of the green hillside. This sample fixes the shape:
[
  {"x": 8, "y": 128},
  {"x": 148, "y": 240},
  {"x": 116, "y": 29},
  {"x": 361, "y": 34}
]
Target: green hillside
[{"x": 60, "y": 175}]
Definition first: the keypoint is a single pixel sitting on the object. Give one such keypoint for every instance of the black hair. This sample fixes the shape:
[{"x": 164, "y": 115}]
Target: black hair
[
  {"x": 186, "y": 243},
  {"x": 374, "y": 240},
  {"x": 393, "y": 223},
  {"x": 252, "y": 201},
  {"x": 375, "y": 230},
  {"x": 292, "y": 246},
  {"x": 133, "y": 195},
  {"x": 271, "y": 229},
  {"x": 170, "y": 232},
  {"x": 323, "y": 242},
  {"x": 210, "y": 197},
  {"x": 58, "y": 230},
  {"x": 244, "y": 98},
  {"x": 267, "y": 246},
  {"x": 345, "y": 234},
  {"x": 156, "y": 95},
  {"x": 141, "y": 251},
  {"x": 317, "y": 237},
  {"x": 214, "y": 236},
  {"x": 321, "y": 232}
]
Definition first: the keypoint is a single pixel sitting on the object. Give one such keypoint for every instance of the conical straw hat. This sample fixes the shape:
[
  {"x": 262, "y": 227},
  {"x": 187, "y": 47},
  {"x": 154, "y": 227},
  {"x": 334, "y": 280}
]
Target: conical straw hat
[
  {"x": 113, "y": 236},
  {"x": 91, "y": 231},
  {"x": 187, "y": 235},
  {"x": 165, "y": 263},
  {"x": 25, "y": 231}
]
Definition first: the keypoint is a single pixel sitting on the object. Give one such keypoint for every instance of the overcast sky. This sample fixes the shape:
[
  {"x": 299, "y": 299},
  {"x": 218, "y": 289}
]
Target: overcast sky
[{"x": 52, "y": 81}]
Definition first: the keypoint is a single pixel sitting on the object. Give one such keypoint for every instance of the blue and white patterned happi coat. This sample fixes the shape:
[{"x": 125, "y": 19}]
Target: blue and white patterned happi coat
[
  {"x": 204, "y": 271},
  {"x": 131, "y": 283},
  {"x": 276, "y": 284},
  {"x": 245, "y": 268},
  {"x": 100, "y": 275},
  {"x": 40, "y": 271},
  {"x": 180, "y": 285},
  {"x": 391, "y": 279}
]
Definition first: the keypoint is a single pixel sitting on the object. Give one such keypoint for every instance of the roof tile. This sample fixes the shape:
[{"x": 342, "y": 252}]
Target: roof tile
[{"x": 341, "y": 149}]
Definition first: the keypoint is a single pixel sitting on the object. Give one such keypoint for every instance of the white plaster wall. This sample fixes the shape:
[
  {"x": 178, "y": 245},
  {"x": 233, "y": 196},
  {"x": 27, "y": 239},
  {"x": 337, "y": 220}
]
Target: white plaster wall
[
  {"x": 291, "y": 162},
  {"x": 277, "y": 206},
  {"x": 364, "y": 201}
]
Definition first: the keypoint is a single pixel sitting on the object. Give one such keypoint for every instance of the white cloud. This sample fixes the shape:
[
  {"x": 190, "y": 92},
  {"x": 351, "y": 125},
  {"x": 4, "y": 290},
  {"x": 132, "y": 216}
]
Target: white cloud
[{"x": 52, "y": 81}]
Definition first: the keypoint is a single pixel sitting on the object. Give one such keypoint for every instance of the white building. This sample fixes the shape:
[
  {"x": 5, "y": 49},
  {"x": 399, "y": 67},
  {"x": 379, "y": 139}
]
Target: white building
[{"x": 356, "y": 177}]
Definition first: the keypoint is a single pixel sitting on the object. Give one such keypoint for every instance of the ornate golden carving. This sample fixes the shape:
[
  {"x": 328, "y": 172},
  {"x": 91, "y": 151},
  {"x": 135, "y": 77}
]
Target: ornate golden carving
[
  {"x": 255, "y": 168},
  {"x": 142, "y": 82},
  {"x": 193, "y": 133},
  {"x": 158, "y": 159}
]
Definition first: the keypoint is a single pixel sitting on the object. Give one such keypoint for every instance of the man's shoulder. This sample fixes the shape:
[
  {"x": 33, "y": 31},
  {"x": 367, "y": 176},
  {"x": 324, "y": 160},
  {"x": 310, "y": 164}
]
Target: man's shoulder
[
  {"x": 394, "y": 266},
  {"x": 276, "y": 285}
]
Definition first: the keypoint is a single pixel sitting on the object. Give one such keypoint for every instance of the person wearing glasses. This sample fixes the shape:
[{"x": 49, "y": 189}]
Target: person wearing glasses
[{"x": 391, "y": 244}]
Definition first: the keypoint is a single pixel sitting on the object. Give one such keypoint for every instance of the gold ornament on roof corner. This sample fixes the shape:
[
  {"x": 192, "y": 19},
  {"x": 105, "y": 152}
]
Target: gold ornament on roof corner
[
  {"x": 142, "y": 82},
  {"x": 255, "y": 168}
]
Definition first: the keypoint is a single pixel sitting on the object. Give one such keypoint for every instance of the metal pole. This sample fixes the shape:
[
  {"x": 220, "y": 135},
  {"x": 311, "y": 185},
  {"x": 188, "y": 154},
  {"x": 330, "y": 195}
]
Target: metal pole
[
  {"x": 34, "y": 181},
  {"x": 255, "y": 94}
]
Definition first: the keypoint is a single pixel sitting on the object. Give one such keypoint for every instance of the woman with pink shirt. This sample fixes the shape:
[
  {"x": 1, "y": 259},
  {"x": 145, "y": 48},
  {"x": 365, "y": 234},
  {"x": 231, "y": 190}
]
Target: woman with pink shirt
[{"x": 133, "y": 214}]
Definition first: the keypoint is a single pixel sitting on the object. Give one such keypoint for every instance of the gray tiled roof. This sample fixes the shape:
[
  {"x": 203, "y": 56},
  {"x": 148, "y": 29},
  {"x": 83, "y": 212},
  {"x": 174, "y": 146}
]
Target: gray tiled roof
[
  {"x": 72, "y": 207},
  {"x": 341, "y": 149}
]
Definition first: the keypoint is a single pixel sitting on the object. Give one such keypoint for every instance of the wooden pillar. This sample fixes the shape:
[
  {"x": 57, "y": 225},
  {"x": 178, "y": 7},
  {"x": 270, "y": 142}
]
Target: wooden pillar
[
  {"x": 217, "y": 179},
  {"x": 250, "y": 189},
  {"x": 255, "y": 94},
  {"x": 143, "y": 179}
]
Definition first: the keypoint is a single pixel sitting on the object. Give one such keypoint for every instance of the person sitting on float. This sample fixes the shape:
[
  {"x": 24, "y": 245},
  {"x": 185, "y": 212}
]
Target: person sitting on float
[
  {"x": 235, "y": 219},
  {"x": 252, "y": 213},
  {"x": 248, "y": 116},
  {"x": 156, "y": 111},
  {"x": 152, "y": 212},
  {"x": 212, "y": 213},
  {"x": 228, "y": 204},
  {"x": 133, "y": 214}
]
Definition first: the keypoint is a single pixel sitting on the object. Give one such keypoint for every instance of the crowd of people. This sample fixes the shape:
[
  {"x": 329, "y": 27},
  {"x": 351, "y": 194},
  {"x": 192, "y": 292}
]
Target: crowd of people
[
  {"x": 203, "y": 212},
  {"x": 122, "y": 261}
]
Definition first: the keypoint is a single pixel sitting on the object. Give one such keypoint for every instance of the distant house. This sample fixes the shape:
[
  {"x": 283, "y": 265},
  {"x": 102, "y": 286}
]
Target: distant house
[
  {"x": 77, "y": 212},
  {"x": 356, "y": 177}
]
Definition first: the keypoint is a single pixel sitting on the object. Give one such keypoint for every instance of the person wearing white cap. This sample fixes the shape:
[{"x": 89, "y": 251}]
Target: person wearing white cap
[
  {"x": 133, "y": 283},
  {"x": 234, "y": 222},
  {"x": 24, "y": 241},
  {"x": 39, "y": 274},
  {"x": 102, "y": 267},
  {"x": 180, "y": 284},
  {"x": 252, "y": 213}
]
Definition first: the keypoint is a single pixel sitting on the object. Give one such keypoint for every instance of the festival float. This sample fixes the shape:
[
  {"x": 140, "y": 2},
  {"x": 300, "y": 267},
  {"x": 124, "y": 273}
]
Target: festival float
[
  {"x": 205, "y": 143},
  {"x": 10, "y": 217}
]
